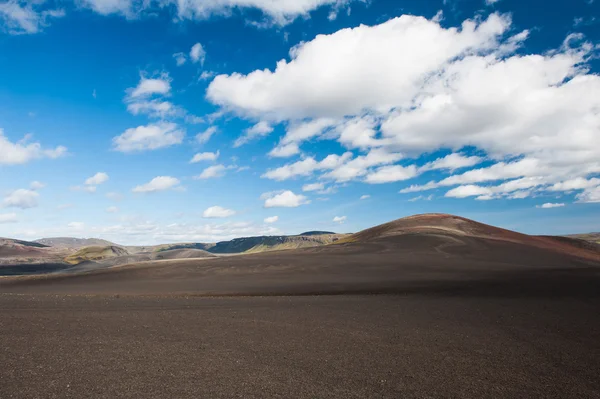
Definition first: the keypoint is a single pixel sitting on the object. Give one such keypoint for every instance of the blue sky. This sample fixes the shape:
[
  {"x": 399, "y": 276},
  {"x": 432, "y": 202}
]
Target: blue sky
[{"x": 148, "y": 122}]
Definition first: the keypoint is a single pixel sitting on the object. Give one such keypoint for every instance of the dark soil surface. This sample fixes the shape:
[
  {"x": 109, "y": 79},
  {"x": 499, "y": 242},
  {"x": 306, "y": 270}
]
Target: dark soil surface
[{"x": 410, "y": 316}]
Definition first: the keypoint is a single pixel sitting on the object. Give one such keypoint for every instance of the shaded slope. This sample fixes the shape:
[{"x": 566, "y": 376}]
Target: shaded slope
[{"x": 430, "y": 258}]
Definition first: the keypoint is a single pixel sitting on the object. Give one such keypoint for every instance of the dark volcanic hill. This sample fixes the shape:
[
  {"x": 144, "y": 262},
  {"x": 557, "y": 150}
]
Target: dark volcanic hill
[{"x": 424, "y": 252}]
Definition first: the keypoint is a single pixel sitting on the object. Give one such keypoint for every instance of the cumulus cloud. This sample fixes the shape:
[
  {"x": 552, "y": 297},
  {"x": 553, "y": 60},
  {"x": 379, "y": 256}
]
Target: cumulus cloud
[
  {"x": 149, "y": 137},
  {"x": 591, "y": 194},
  {"x": 212, "y": 172},
  {"x": 548, "y": 205},
  {"x": 452, "y": 162},
  {"x": 392, "y": 173},
  {"x": 154, "y": 108},
  {"x": 24, "y": 151},
  {"x": 203, "y": 137},
  {"x": 150, "y": 86},
  {"x": 205, "y": 156},
  {"x": 26, "y": 17},
  {"x": 198, "y": 54},
  {"x": 159, "y": 183},
  {"x": 364, "y": 197},
  {"x": 284, "y": 151},
  {"x": 339, "y": 219},
  {"x": 180, "y": 58},
  {"x": 97, "y": 179},
  {"x": 313, "y": 187},
  {"x": 148, "y": 98},
  {"x": 469, "y": 190},
  {"x": 206, "y": 75},
  {"x": 261, "y": 129},
  {"x": 283, "y": 199},
  {"x": 271, "y": 219},
  {"x": 532, "y": 116},
  {"x": 21, "y": 198},
  {"x": 217, "y": 212},
  {"x": 306, "y": 167},
  {"x": 8, "y": 218}
]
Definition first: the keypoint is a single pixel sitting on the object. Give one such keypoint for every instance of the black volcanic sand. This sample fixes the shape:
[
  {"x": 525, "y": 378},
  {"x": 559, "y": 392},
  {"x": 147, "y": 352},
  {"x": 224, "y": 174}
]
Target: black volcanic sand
[{"x": 448, "y": 317}]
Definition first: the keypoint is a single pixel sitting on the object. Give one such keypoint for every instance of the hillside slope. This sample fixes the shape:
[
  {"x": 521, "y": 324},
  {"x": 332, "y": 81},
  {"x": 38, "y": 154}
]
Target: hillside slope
[{"x": 423, "y": 253}]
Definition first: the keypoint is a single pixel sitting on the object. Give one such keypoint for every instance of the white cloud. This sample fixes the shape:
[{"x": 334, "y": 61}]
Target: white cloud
[
  {"x": 21, "y": 198},
  {"x": 26, "y": 18},
  {"x": 97, "y": 179},
  {"x": 153, "y": 108},
  {"x": 112, "y": 209},
  {"x": 452, "y": 162},
  {"x": 150, "y": 86},
  {"x": 206, "y": 75},
  {"x": 442, "y": 88},
  {"x": 217, "y": 212},
  {"x": 271, "y": 219},
  {"x": 159, "y": 183},
  {"x": 313, "y": 187},
  {"x": 140, "y": 99},
  {"x": 284, "y": 151},
  {"x": 279, "y": 12},
  {"x": 306, "y": 167},
  {"x": 364, "y": 197},
  {"x": 24, "y": 151},
  {"x": 180, "y": 58},
  {"x": 36, "y": 185},
  {"x": 198, "y": 54},
  {"x": 339, "y": 219},
  {"x": 261, "y": 129},
  {"x": 205, "y": 156},
  {"x": 212, "y": 172},
  {"x": 548, "y": 205},
  {"x": 469, "y": 190},
  {"x": 8, "y": 218},
  {"x": 360, "y": 165},
  {"x": 392, "y": 173},
  {"x": 283, "y": 199},
  {"x": 203, "y": 137},
  {"x": 422, "y": 198},
  {"x": 361, "y": 72},
  {"x": 490, "y": 2},
  {"x": 590, "y": 195},
  {"x": 149, "y": 137}
]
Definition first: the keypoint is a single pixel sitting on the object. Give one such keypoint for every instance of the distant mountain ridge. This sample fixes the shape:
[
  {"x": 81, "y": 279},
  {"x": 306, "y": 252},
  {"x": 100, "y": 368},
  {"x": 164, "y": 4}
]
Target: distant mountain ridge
[
  {"x": 237, "y": 245},
  {"x": 71, "y": 242}
]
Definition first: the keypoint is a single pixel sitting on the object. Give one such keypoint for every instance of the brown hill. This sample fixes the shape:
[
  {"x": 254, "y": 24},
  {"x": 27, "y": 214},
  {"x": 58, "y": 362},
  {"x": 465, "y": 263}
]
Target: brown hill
[
  {"x": 450, "y": 225},
  {"x": 424, "y": 252}
]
